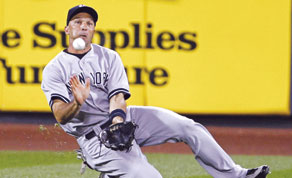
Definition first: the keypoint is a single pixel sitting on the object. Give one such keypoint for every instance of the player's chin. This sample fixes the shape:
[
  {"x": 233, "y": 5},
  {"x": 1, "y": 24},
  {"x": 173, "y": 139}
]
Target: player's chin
[{"x": 87, "y": 42}]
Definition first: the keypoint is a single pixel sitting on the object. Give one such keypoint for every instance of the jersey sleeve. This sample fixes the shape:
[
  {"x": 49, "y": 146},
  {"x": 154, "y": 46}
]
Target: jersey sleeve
[
  {"x": 53, "y": 85},
  {"x": 118, "y": 81}
]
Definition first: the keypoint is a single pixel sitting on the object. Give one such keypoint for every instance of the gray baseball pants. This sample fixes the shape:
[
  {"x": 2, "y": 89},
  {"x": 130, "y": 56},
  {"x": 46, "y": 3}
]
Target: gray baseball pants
[{"x": 157, "y": 126}]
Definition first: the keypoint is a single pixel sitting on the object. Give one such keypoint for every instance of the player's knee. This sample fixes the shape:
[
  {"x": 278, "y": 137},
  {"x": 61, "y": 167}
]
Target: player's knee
[
  {"x": 192, "y": 129},
  {"x": 187, "y": 126}
]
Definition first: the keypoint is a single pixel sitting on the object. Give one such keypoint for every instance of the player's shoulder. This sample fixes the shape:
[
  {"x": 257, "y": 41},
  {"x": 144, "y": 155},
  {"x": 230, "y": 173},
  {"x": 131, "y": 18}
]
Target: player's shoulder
[
  {"x": 101, "y": 50},
  {"x": 54, "y": 63}
]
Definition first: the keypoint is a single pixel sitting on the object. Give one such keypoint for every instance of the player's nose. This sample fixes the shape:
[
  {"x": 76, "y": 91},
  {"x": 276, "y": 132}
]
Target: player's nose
[{"x": 84, "y": 26}]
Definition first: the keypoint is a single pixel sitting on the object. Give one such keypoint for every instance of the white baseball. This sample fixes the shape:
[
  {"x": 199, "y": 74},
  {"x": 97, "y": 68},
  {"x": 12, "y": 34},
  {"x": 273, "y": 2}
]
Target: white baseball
[{"x": 79, "y": 44}]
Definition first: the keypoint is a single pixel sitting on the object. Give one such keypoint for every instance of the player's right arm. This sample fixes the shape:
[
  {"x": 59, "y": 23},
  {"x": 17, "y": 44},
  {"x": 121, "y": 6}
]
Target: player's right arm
[
  {"x": 63, "y": 111},
  {"x": 57, "y": 93}
]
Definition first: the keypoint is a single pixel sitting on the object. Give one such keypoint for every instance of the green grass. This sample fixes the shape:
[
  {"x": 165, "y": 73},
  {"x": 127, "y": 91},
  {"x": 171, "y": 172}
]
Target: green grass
[{"x": 14, "y": 164}]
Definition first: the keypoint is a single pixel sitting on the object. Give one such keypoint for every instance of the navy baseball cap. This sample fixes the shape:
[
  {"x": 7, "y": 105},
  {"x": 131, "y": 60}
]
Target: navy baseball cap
[{"x": 82, "y": 8}]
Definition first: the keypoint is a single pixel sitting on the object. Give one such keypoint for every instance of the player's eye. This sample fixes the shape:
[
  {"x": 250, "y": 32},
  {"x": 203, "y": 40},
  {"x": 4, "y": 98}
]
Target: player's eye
[
  {"x": 89, "y": 23},
  {"x": 78, "y": 21}
]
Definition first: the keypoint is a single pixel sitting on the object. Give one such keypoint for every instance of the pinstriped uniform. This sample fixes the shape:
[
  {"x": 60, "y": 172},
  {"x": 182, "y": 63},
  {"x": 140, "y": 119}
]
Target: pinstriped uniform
[
  {"x": 156, "y": 125},
  {"x": 107, "y": 78}
]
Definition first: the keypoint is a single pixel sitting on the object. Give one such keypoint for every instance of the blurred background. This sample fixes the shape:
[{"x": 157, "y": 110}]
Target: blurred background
[{"x": 225, "y": 64}]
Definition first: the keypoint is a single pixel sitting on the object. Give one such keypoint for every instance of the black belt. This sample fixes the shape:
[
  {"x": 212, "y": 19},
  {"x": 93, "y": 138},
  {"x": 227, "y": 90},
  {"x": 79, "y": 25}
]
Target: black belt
[{"x": 92, "y": 134}]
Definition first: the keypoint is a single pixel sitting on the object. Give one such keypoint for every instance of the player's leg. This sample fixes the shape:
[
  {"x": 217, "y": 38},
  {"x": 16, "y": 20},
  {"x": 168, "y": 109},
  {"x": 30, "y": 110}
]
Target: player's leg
[
  {"x": 157, "y": 125},
  {"x": 114, "y": 164}
]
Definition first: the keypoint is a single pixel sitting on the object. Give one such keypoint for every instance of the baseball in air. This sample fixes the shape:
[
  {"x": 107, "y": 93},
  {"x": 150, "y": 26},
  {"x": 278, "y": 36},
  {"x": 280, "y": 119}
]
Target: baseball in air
[{"x": 79, "y": 44}]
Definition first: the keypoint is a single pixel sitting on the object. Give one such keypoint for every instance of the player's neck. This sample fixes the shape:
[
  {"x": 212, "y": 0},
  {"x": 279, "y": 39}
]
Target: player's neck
[
  {"x": 74, "y": 51},
  {"x": 80, "y": 56}
]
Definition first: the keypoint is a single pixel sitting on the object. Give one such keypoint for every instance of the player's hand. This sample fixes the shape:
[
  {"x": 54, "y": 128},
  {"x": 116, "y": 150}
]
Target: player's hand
[{"x": 80, "y": 92}]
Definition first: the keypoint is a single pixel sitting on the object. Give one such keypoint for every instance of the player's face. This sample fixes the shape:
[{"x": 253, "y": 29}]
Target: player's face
[{"x": 81, "y": 25}]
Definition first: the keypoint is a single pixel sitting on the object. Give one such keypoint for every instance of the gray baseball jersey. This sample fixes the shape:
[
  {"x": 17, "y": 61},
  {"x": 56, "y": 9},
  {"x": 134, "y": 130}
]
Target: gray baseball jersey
[
  {"x": 107, "y": 78},
  {"x": 156, "y": 125}
]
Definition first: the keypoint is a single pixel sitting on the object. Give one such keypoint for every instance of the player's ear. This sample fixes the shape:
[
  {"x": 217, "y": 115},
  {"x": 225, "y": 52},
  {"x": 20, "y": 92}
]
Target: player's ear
[{"x": 67, "y": 30}]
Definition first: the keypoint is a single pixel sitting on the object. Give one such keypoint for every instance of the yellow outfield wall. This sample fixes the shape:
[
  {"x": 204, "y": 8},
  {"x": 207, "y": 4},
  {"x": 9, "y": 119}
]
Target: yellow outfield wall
[{"x": 197, "y": 57}]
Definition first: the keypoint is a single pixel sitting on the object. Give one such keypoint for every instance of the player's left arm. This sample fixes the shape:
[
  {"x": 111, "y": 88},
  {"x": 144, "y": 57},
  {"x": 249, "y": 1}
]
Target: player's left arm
[
  {"x": 118, "y": 90},
  {"x": 121, "y": 133},
  {"x": 117, "y": 102}
]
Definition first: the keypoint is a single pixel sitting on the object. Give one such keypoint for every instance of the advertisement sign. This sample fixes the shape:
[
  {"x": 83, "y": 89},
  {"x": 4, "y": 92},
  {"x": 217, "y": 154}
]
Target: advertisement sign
[{"x": 197, "y": 57}]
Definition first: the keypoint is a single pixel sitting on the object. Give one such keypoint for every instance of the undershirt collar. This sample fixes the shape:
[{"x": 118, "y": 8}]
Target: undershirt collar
[{"x": 80, "y": 56}]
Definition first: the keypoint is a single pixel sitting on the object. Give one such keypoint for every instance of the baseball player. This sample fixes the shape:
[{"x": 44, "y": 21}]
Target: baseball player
[{"x": 87, "y": 90}]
